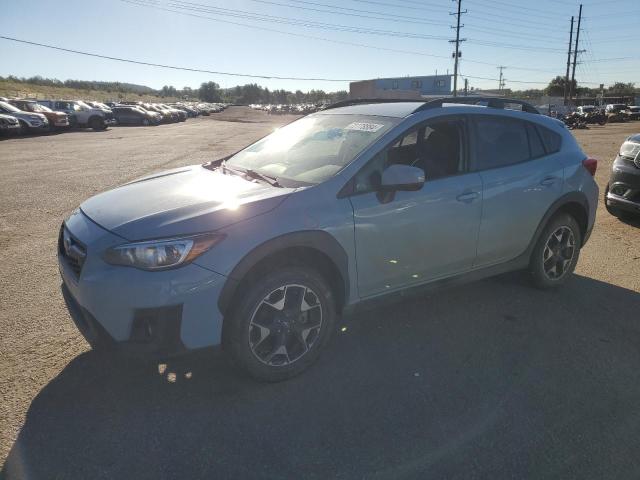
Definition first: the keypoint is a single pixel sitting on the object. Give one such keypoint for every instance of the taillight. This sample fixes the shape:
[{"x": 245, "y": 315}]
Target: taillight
[{"x": 591, "y": 164}]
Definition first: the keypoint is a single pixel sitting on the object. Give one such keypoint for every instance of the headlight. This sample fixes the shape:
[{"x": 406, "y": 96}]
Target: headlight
[
  {"x": 161, "y": 254},
  {"x": 629, "y": 149}
]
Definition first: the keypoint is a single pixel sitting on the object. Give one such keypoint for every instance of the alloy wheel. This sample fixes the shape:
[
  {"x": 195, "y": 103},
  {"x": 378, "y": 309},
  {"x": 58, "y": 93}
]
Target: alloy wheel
[
  {"x": 285, "y": 325},
  {"x": 558, "y": 253}
]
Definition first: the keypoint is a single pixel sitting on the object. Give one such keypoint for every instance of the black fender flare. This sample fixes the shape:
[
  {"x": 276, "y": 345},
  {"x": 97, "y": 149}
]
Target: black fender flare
[
  {"x": 318, "y": 240},
  {"x": 569, "y": 198}
]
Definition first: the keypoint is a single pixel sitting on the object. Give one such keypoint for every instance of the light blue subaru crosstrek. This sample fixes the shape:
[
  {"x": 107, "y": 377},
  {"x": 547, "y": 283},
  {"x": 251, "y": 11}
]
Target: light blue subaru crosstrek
[{"x": 261, "y": 251}]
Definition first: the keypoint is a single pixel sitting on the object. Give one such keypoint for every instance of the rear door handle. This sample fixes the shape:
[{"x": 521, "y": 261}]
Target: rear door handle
[
  {"x": 467, "y": 197},
  {"x": 548, "y": 181}
]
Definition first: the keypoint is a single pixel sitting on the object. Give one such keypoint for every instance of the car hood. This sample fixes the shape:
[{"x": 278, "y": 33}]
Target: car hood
[
  {"x": 182, "y": 201},
  {"x": 28, "y": 115}
]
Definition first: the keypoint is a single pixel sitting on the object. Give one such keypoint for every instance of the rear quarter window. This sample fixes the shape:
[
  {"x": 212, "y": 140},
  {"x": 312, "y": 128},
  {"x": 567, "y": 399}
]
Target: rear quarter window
[{"x": 551, "y": 140}]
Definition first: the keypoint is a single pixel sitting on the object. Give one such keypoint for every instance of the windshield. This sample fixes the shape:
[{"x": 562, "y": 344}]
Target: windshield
[
  {"x": 84, "y": 105},
  {"x": 588, "y": 109},
  {"x": 9, "y": 107},
  {"x": 314, "y": 148}
]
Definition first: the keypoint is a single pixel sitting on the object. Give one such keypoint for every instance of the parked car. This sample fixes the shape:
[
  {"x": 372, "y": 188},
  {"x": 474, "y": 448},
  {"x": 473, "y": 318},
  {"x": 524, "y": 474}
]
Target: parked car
[
  {"x": 622, "y": 194},
  {"x": 133, "y": 115},
  {"x": 262, "y": 250},
  {"x": 190, "y": 112},
  {"x": 81, "y": 114},
  {"x": 180, "y": 115},
  {"x": 615, "y": 112},
  {"x": 167, "y": 116},
  {"x": 9, "y": 125},
  {"x": 102, "y": 106},
  {"x": 56, "y": 119},
  {"x": 633, "y": 112},
  {"x": 29, "y": 122}
]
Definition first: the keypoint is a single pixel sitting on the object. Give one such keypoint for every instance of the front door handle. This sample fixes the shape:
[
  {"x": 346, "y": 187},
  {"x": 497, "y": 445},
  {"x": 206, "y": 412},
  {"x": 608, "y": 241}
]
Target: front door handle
[
  {"x": 467, "y": 197},
  {"x": 548, "y": 181}
]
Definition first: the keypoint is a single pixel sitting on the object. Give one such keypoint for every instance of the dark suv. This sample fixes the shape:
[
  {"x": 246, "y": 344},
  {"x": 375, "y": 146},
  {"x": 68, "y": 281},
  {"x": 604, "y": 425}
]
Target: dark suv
[{"x": 622, "y": 195}]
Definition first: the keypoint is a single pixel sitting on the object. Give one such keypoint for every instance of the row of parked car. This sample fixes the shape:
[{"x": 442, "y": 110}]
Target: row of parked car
[
  {"x": 21, "y": 116},
  {"x": 295, "y": 108}
]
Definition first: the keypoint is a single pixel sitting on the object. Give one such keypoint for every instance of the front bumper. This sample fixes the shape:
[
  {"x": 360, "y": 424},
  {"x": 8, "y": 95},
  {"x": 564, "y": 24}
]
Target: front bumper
[
  {"x": 163, "y": 312},
  {"x": 624, "y": 186}
]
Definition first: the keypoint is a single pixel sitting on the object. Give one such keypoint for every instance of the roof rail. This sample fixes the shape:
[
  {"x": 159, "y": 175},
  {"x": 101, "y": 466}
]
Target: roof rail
[
  {"x": 360, "y": 101},
  {"x": 492, "y": 102}
]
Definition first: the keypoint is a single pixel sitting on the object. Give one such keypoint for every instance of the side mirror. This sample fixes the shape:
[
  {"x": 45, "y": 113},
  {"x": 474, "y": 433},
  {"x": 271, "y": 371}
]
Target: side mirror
[{"x": 402, "y": 177}]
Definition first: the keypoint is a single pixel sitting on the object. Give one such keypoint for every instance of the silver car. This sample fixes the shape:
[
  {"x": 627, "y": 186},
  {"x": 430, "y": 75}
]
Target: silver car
[{"x": 260, "y": 252}]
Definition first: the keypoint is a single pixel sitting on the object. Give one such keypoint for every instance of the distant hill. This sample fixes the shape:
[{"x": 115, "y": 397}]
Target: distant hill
[{"x": 39, "y": 87}]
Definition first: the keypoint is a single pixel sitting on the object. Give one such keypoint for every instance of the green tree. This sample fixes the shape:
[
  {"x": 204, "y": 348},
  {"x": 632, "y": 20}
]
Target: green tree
[
  {"x": 622, "y": 89},
  {"x": 556, "y": 87},
  {"x": 209, "y": 92}
]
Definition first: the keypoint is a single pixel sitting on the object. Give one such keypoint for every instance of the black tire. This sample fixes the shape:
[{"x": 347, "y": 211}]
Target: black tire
[
  {"x": 256, "y": 355},
  {"x": 97, "y": 123},
  {"x": 543, "y": 272},
  {"x": 24, "y": 128}
]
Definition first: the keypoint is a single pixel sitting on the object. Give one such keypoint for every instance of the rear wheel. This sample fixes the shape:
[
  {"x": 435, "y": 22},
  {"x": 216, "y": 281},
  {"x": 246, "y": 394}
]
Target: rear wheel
[
  {"x": 556, "y": 253},
  {"x": 280, "y": 325}
]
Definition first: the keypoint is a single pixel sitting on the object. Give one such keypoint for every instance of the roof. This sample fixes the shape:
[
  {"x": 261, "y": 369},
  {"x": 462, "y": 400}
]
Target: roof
[
  {"x": 383, "y": 109},
  {"x": 401, "y": 108}
]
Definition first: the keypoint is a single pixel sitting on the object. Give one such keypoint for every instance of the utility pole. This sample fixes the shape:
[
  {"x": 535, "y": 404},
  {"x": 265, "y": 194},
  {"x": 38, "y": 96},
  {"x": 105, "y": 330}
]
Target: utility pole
[
  {"x": 566, "y": 78},
  {"x": 501, "y": 81},
  {"x": 466, "y": 87},
  {"x": 575, "y": 56},
  {"x": 456, "y": 55}
]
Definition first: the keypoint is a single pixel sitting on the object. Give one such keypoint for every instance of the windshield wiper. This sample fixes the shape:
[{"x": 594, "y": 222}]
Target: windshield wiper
[{"x": 273, "y": 181}]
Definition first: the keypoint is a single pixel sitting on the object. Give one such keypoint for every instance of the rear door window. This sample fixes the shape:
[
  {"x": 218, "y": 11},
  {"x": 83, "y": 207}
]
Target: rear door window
[{"x": 500, "y": 141}]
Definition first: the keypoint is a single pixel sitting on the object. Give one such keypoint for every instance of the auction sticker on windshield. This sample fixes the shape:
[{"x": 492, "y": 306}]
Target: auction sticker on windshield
[{"x": 364, "y": 127}]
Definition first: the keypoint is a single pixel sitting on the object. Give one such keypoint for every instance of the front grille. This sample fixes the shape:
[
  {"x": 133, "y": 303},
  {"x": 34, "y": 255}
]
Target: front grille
[{"x": 71, "y": 250}]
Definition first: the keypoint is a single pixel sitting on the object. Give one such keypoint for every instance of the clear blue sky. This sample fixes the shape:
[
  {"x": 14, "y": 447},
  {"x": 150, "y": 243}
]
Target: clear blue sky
[{"x": 521, "y": 34}]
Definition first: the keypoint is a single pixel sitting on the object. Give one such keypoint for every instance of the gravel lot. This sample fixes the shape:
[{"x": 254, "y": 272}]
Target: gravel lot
[{"x": 488, "y": 380}]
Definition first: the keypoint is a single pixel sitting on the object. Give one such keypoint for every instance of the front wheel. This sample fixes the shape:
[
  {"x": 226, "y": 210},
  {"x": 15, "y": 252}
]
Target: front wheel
[
  {"x": 24, "y": 128},
  {"x": 281, "y": 323},
  {"x": 556, "y": 253},
  {"x": 97, "y": 123}
]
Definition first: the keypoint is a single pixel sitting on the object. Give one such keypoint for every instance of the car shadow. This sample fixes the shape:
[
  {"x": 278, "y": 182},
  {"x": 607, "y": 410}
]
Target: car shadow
[
  {"x": 488, "y": 380},
  {"x": 632, "y": 221}
]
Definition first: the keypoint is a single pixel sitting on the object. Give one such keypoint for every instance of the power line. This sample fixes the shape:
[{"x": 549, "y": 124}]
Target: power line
[
  {"x": 172, "y": 67},
  {"x": 339, "y": 42},
  {"x": 227, "y": 12},
  {"x": 181, "y": 5}
]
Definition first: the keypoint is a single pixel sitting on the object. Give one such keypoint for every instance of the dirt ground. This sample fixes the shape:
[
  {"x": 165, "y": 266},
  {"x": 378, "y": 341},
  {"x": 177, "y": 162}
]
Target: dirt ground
[{"x": 582, "y": 368}]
